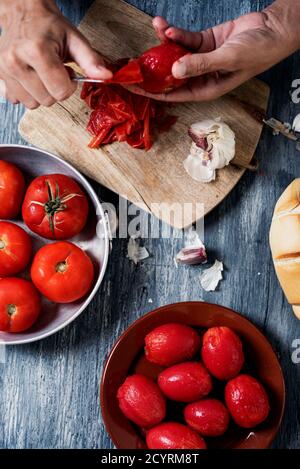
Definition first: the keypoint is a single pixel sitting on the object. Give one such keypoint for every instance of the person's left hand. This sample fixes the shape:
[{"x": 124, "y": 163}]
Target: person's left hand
[{"x": 225, "y": 56}]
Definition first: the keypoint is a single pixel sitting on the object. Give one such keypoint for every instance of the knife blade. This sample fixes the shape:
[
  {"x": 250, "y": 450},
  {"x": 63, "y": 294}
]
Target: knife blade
[{"x": 80, "y": 79}]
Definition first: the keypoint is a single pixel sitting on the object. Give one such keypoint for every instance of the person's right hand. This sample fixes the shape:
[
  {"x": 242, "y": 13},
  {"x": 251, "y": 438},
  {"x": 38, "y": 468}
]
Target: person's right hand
[{"x": 35, "y": 42}]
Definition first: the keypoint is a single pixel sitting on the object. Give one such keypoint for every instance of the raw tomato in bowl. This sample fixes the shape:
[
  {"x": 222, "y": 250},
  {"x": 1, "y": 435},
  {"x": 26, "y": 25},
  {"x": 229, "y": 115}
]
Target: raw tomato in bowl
[{"x": 93, "y": 239}]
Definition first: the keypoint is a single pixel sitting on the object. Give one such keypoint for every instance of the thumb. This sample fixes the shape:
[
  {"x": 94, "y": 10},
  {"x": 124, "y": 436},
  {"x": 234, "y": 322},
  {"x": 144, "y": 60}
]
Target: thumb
[
  {"x": 88, "y": 59},
  {"x": 200, "y": 64}
]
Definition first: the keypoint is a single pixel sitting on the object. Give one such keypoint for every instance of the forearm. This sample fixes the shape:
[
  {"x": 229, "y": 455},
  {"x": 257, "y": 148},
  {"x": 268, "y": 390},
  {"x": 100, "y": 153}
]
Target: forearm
[
  {"x": 283, "y": 17},
  {"x": 12, "y": 8}
]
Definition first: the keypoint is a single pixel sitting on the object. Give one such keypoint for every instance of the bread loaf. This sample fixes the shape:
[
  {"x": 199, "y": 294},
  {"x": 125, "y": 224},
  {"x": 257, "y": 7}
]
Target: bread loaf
[{"x": 285, "y": 243}]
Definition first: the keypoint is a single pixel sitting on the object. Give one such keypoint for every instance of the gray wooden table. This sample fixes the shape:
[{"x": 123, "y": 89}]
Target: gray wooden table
[{"x": 50, "y": 389}]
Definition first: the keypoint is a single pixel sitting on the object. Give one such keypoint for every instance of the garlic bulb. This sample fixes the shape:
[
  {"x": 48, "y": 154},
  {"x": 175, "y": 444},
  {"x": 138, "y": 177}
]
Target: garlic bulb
[{"x": 213, "y": 148}]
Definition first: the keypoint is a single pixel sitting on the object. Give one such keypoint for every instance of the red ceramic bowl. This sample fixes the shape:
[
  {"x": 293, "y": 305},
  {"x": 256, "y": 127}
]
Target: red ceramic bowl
[{"x": 127, "y": 357}]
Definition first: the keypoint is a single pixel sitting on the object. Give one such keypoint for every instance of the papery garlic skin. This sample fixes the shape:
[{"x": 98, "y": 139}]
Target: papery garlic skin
[
  {"x": 211, "y": 277},
  {"x": 135, "y": 252},
  {"x": 296, "y": 123},
  {"x": 213, "y": 148}
]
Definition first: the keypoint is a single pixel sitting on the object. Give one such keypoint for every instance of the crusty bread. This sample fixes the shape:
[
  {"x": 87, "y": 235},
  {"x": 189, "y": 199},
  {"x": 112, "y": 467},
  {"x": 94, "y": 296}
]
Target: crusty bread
[{"x": 285, "y": 243}]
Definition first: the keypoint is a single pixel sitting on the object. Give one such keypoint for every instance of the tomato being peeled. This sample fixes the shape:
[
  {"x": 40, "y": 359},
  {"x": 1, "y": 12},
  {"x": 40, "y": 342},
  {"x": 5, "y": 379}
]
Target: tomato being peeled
[
  {"x": 12, "y": 187},
  {"x": 62, "y": 272},
  {"x": 157, "y": 63},
  {"x": 15, "y": 249},
  {"x": 55, "y": 207},
  {"x": 20, "y": 305}
]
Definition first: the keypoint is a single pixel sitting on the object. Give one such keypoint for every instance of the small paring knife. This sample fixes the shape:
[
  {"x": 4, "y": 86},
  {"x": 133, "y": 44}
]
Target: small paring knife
[{"x": 80, "y": 79}]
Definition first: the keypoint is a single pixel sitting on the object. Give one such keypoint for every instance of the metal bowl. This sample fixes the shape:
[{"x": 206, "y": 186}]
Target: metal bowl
[{"x": 94, "y": 239}]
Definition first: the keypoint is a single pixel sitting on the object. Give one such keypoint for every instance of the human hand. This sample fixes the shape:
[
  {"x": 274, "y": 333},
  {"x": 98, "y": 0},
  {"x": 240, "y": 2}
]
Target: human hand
[
  {"x": 35, "y": 42},
  {"x": 229, "y": 54}
]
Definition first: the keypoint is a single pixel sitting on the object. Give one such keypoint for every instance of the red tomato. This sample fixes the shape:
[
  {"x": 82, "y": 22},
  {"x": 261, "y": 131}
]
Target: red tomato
[
  {"x": 15, "y": 249},
  {"x": 222, "y": 352},
  {"x": 141, "y": 401},
  {"x": 186, "y": 382},
  {"x": 209, "y": 417},
  {"x": 174, "y": 435},
  {"x": 171, "y": 343},
  {"x": 55, "y": 207},
  {"x": 20, "y": 305},
  {"x": 62, "y": 272},
  {"x": 12, "y": 188},
  {"x": 156, "y": 64},
  {"x": 247, "y": 401}
]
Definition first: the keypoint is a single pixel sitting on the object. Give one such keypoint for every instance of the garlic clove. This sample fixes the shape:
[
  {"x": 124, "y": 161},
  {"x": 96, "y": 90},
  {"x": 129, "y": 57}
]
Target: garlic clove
[
  {"x": 211, "y": 277},
  {"x": 197, "y": 170},
  {"x": 194, "y": 251},
  {"x": 191, "y": 256}
]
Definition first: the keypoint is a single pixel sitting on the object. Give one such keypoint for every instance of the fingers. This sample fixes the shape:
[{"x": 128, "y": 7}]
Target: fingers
[
  {"x": 86, "y": 57},
  {"x": 201, "y": 41},
  {"x": 15, "y": 93},
  {"x": 55, "y": 78},
  {"x": 158, "y": 97},
  {"x": 200, "y": 64},
  {"x": 188, "y": 39},
  {"x": 32, "y": 84},
  {"x": 160, "y": 25},
  {"x": 203, "y": 88}
]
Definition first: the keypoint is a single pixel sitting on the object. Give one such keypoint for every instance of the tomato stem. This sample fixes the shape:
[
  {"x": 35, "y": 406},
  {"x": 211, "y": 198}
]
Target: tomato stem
[
  {"x": 11, "y": 310},
  {"x": 61, "y": 267},
  {"x": 2, "y": 244}
]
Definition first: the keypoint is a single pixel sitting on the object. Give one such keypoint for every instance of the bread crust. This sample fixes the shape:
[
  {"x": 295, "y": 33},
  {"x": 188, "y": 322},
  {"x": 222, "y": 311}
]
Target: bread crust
[{"x": 285, "y": 243}]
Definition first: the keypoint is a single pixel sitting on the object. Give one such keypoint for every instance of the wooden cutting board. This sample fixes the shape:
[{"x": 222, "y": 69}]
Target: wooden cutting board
[{"x": 156, "y": 180}]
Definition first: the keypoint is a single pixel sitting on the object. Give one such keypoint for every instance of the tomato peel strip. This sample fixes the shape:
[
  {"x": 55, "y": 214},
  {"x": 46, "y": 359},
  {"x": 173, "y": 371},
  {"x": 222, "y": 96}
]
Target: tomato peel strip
[{"x": 119, "y": 115}]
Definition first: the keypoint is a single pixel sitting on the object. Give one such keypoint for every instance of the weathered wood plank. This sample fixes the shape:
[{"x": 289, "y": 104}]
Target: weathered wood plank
[{"x": 49, "y": 390}]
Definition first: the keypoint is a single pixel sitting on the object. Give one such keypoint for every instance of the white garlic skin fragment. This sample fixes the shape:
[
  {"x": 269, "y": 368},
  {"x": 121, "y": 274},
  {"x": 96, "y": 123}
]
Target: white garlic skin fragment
[
  {"x": 211, "y": 277},
  {"x": 296, "y": 123}
]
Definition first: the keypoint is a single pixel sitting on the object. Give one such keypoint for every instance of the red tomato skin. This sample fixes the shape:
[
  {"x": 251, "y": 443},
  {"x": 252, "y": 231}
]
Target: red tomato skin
[
  {"x": 247, "y": 401},
  {"x": 69, "y": 284},
  {"x": 15, "y": 249},
  {"x": 22, "y": 294},
  {"x": 222, "y": 353},
  {"x": 141, "y": 401},
  {"x": 171, "y": 343},
  {"x": 209, "y": 417},
  {"x": 12, "y": 188},
  {"x": 156, "y": 64},
  {"x": 172, "y": 435},
  {"x": 186, "y": 382},
  {"x": 68, "y": 222}
]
